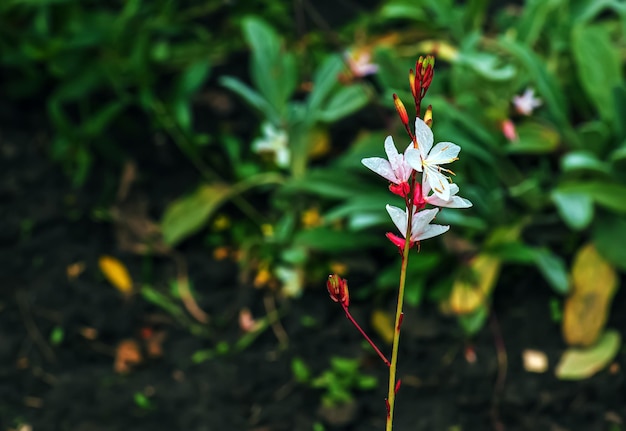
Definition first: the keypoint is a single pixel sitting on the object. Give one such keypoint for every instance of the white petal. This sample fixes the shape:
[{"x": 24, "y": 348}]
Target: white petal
[
  {"x": 424, "y": 137},
  {"x": 390, "y": 148},
  {"x": 414, "y": 158},
  {"x": 400, "y": 170},
  {"x": 437, "y": 181},
  {"x": 454, "y": 202},
  {"x": 444, "y": 152},
  {"x": 381, "y": 167},
  {"x": 421, "y": 220},
  {"x": 431, "y": 231},
  {"x": 399, "y": 218}
]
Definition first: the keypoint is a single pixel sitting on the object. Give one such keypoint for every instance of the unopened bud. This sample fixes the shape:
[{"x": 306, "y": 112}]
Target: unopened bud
[
  {"x": 412, "y": 83},
  {"x": 338, "y": 289},
  {"x": 428, "y": 116},
  {"x": 404, "y": 117}
]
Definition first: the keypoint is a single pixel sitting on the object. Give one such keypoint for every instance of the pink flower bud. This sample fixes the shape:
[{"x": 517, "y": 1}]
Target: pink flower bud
[{"x": 338, "y": 289}]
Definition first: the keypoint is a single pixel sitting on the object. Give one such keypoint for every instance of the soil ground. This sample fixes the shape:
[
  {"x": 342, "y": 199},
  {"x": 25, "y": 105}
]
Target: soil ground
[{"x": 46, "y": 226}]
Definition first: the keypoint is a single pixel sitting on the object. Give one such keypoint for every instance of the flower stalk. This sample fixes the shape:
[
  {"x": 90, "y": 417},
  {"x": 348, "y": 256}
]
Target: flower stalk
[{"x": 418, "y": 177}]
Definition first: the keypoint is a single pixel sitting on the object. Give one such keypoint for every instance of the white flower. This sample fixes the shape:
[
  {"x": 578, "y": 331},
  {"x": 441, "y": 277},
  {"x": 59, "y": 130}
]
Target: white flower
[
  {"x": 360, "y": 62},
  {"x": 453, "y": 202},
  {"x": 273, "y": 141},
  {"x": 420, "y": 224},
  {"x": 527, "y": 102},
  {"x": 428, "y": 159},
  {"x": 396, "y": 169}
]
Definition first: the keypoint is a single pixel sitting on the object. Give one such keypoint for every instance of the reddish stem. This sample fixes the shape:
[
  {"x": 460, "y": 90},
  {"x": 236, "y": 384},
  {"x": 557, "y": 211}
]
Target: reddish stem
[{"x": 349, "y": 316}]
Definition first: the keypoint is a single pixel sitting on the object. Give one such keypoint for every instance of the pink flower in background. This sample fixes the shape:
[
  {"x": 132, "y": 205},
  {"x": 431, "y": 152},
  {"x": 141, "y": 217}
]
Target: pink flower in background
[
  {"x": 360, "y": 62},
  {"x": 527, "y": 102},
  {"x": 508, "y": 130}
]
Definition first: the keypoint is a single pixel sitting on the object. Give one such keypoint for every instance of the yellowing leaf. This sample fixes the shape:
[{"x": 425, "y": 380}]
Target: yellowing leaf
[
  {"x": 319, "y": 143},
  {"x": 586, "y": 310},
  {"x": 577, "y": 364},
  {"x": 116, "y": 273},
  {"x": 383, "y": 322},
  {"x": 471, "y": 291}
]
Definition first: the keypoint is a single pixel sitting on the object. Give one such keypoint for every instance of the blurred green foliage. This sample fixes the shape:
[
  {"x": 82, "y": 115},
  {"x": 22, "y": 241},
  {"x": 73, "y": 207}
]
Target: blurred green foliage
[{"x": 559, "y": 183}]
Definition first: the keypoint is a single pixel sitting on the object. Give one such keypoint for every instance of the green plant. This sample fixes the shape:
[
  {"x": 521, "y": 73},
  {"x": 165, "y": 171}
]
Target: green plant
[{"x": 338, "y": 382}]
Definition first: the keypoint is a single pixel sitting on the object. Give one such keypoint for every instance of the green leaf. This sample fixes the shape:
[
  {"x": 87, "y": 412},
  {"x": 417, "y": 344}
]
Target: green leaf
[
  {"x": 300, "y": 370},
  {"x": 328, "y": 183},
  {"x": 576, "y": 209},
  {"x": 97, "y": 122},
  {"x": 534, "y": 138},
  {"x": 404, "y": 10},
  {"x": 344, "y": 102},
  {"x": 324, "y": 80},
  {"x": 583, "y": 161},
  {"x": 489, "y": 66},
  {"x": 335, "y": 241},
  {"x": 609, "y": 236},
  {"x": 553, "y": 269},
  {"x": 598, "y": 66},
  {"x": 192, "y": 78},
  {"x": 189, "y": 214},
  {"x": 273, "y": 72},
  {"x": 605, "y": 194},
  {"x": 253, "y": 98},
  {"x": 473, "y": 322},
  {"x": 578, "y": 364}
]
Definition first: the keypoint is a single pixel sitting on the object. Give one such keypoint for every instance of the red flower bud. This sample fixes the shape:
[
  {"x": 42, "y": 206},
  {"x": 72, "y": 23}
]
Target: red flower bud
[
  {"x": 338, "y": 289},
  {"x": 401, "y": 109}
]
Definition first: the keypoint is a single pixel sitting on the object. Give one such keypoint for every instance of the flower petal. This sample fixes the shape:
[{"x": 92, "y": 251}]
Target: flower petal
[
  {"x": 437, "y": 181},
  {"x": 381, "y": 166},
  {"x": 424, "y": 137},
  {"x": 414, "y": 158},
  {"x": 399, "y": 218},
  {"x": 401, "y": 170},
  {"x": 421, "y": 220},
  {"x": 431, "y": 231},
  {"x": 444, "y": 152}
]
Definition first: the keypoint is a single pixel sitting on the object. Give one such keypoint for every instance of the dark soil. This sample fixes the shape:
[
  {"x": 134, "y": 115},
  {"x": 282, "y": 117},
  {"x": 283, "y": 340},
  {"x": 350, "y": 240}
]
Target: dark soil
[{"x": 45, "y": 226}]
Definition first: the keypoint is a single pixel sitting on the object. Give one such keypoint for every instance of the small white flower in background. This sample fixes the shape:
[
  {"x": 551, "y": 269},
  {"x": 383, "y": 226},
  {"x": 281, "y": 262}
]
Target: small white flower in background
[
  {"x": 428, "y": 159},
  {"x": 527, "y": 102},
  {"x": 396, "y": 169},
  {"x": 420, "y": 225},
  {"x": 360, "y": 62},
  {"x": 275, "y": 141}
]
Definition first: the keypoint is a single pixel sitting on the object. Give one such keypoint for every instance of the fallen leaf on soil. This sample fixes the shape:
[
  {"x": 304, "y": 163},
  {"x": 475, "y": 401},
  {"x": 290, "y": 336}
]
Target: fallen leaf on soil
[
  {"x": 127, "y": 354},
  {"x": 74, "y": 270},
  {"x": 471, "y": 291},
  {"x": 382, "y": 322},
  {"x": 578, "y": 364},
  {"x": 154, "y": 344},
  {"x": 535, "y": 361},
  {"x": 594, "y": 282},
  {"x": 116, "y": 273}
]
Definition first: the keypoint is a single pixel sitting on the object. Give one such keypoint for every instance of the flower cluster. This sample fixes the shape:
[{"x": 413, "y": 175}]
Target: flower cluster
[{"x": 419, "y": 158}]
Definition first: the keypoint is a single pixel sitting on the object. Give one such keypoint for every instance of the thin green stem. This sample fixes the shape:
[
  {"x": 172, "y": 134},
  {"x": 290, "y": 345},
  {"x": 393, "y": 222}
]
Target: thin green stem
[{"x": 391, "y": 396}]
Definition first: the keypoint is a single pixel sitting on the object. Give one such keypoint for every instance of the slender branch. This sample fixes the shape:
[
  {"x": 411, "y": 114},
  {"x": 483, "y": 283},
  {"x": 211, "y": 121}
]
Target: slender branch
[
  {"x": 391, "y": 395},
  {"x": 367, "y": 338}
]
